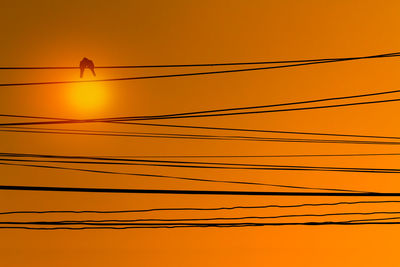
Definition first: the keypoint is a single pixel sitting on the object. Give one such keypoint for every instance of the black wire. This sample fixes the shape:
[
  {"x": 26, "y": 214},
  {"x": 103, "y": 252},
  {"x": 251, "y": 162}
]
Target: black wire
[
  {"x": 206, "y": 128},
  {"x": 193, "y": 192},
  {"x": 201, "y": 137},
  {"x": 260, "y": 106},
  {"x": 203, "y": 209},
  {"x": 224, "y": 156},
  {"x": 187, "y": 178},
  {"x": 226, "y": 109},
  {"x": 196, "y": 116},
  {"x": 204, "y": 64},
  {"x": 257, "y": 130},
  {"x": 162, "y": 76},
  {"x": 203, "y": 165},
  {"x": 130, "y": 221},
  {"x": 198, "y": 73},
  {"x": 221, "y": 110},
  {"x": 266, "y": 156},
  {"x": 265, "y": 111},
  {"x": 170, "y": 226}
]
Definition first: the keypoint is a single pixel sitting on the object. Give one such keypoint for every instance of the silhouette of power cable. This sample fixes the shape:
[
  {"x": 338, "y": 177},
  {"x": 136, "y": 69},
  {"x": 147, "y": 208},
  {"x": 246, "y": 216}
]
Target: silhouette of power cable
[
  {"x": 194, "y": 127},
  {"x": 127, "y": 133},
  {"x": 302, "y": 205},
  {"x": 196, "y": 136},
  {"x": 215, "y": 225},
  {"x": 265, "y": 106},
  {"x": 220, "y": 110},
  {"x": 197, "y": 127},
  {"x": 267, "y": 111},
  {"x": 257, "y": 130},
  {"x": 186, "y": 178},
  {"x": 264, "y": 156},
  {"x": 199, "y": 165},
  {"x": 124, "y": 119},
  {"x": 246, "y": 108},
  {"x": 230, "y": 156},
  {"x": 203, "y": 64},
  {"x": 194, "y": 192},
  {"x": 198, "y": 73},
  {"x": 161, "y": 76},
  {"x": 223, "y": 110},
  {"x": 123, "y": 222},
  {"x": 187, "y": 136},
  {"x": 202, "y": 128}
]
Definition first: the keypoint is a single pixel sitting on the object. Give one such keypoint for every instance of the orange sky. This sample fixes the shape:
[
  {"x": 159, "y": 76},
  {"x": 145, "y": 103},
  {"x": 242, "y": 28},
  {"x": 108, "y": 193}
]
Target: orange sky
[{"x": 61, "y": 33}]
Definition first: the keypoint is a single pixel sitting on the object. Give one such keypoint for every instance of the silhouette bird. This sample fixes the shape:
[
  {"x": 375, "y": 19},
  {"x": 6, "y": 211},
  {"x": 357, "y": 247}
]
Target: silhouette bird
[{"x": 86, "y": 64}]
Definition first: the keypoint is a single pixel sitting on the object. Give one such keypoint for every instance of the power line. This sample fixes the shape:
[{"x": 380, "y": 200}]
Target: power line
[
  {"x": 218, "y": 128},
  {"x": 204, "y": 64},
  {"x": 232, "y": 156},
  {"x": 204, "y": 209},
  {"x": 217, "y": 110},
  {"x": 119, "y": 119},
  {"x": 223, "y": 110},
  {"x": 266, "y": 156},
  {"x": 162, "y": 76},
  {"x": 193, "y": 192},
  {"x": 270, "y": 111},
  {"x": 260, "y": 106},
  {"x": 185, "y": 178},
  {"x": 122, "y": 133},
  {"x": 200, "y": 165},
  {"x": 129, "y": 221},
  {"x": 192, "y": 127},
  {"x": 197, "y": 116},
  {"x": 197, "y": 137},
  {"x": 257, "y": 130},
  {"x": 219, "y": 225},
  {"x": 194, "y": 73}
]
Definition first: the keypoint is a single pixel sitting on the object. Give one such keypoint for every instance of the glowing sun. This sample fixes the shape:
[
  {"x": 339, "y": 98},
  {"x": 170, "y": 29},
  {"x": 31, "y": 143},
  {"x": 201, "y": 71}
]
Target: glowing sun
[{"x": 87, "y": 97}]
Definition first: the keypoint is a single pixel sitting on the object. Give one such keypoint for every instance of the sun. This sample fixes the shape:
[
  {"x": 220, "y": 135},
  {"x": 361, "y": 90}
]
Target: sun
[{"x": 87, "y": 98}]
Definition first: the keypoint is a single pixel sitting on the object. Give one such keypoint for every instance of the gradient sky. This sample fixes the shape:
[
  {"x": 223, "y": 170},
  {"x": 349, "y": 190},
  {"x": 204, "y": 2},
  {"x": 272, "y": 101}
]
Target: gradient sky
[{"x": 61, "y": 33}]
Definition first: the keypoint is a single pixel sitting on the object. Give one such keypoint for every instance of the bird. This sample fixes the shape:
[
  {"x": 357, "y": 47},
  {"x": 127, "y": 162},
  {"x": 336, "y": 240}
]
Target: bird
[{"x": 86, "y": 64}]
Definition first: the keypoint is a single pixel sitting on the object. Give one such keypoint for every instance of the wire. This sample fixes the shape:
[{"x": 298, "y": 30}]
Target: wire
[
  {"x": 193, "y": 192},
  {"x": 268, "y": 111},
  {"x": 189, "y": 178},
  {"x": 206, "y": 112},
  {"x": 257, "y": 130},
  {"x": 196, "y": 73},
  {"x": 162, "y": 76},
  {"x": 196, "y": 116},
  {"x": 226, "y": 109},
  {"x": 129, "y": 221},
  {"x": 198, "y": 137},
  {"x": 200, "y": 165},
  {"x": 264, "y": 156},
  {"x": 204, "y": 209},
  {"x": 222, "y": 110},
  {"x": 230, "y": 156},
  {"x": 184, "y": 178},
  {"x": 205, "y": 128},
  {"x": 203, "y": 225},
  {"x": 204, "y": 64},
  {"x": 199, "y": 226},
  {"x": 264, "y": 106}
]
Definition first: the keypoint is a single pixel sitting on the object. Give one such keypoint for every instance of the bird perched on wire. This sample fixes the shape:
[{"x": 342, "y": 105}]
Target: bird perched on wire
[{"x": 86, "y": 64}]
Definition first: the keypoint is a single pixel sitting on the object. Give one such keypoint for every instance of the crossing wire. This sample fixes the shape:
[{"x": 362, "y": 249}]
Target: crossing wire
[
  {"x": 197, "y": 73},
  {"x": 201, "y": 64},
  {"x": 194, "y": 192},
  {"x": 302, "y": 205}
]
